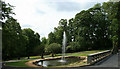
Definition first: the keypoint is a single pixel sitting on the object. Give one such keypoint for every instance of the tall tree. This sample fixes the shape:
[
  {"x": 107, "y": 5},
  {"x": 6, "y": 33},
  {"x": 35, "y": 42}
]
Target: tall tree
[
  {"x": 33, "y": 40},
  {"x": 12, "y": 36},
  {"x": 51, "y": 38},
  {"x": 112, "y": 10},
  {"x": 70, "y": 30}
]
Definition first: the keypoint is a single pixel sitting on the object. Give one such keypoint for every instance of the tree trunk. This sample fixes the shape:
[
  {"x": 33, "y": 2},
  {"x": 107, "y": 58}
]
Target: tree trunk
[
  {"x": 115, "y": 48},
  {"x": 28, "y": 57},
  {"x": 18, "y": 58},
  {"x": 42, "y": 56},
  {"x": 52, "y": 55}
]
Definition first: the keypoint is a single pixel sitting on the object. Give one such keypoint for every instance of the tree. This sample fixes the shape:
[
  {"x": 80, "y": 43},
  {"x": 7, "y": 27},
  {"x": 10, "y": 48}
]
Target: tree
[
  {"x": 112, "y": 9},
  {"x": 42, "y": 46},
  {"x": 83, "y": 30},
  {"x": 54, "y": 48},
  {"x": 33, "y": 40},
  {"x": 70, "y": 30},
  {"x": 11, "y": 41},
  {"x": 44, "y": 41},
  {"x": 37, "y": 39},
  {"x": 73, "y": 47},
  {"x": 51, "y": 38},
  {"x": 6, "y": 10},
  {"x": 15, "y": 41},
  {"x": 39, "y": 50},
  {"x": 100, "y": 27},
  {"x": 58, "y": 32},
  {"x": 63, "y": 24}
]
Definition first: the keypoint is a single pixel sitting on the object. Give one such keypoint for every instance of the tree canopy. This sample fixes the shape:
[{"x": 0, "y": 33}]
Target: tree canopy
[{"x": 95, "y": 28}]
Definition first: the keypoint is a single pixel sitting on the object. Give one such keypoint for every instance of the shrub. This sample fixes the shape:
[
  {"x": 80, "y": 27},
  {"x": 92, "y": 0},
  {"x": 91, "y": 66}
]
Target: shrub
[{"x": 54, "y": 48}]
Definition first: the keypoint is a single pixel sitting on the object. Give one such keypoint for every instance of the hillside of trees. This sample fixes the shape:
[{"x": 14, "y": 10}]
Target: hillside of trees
[{"x": 92, "y": 29}]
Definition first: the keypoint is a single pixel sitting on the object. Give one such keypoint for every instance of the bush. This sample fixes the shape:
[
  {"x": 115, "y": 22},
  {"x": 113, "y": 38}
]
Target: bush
[
  {"x": 68, "y": 49},
  {"x": 73, "y": 47},
  {"x": 54, "y": 48}
]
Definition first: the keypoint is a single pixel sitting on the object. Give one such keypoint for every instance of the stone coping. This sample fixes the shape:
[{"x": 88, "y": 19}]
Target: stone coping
[{"x": 30, "y": 63}]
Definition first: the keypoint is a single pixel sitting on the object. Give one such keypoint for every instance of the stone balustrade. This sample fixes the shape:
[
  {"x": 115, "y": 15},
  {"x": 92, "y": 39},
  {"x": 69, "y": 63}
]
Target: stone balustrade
[{"x": 93, "y": 58}]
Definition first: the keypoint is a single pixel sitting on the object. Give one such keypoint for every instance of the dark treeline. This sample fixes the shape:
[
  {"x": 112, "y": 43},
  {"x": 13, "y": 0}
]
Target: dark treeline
[
  {"x": 16, "y": 42},
  {"x": 92, "y": 29}
]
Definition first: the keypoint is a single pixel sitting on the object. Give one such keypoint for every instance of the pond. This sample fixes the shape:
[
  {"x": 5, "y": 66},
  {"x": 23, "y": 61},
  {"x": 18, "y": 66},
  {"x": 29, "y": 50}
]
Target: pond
[{"x": 57, "y": 62}]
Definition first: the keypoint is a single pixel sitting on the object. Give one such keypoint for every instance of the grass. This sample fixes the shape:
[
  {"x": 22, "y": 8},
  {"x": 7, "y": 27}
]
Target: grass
[
  {"x": 85, "y": 53},
  {"x": 82, "y": 53},
  {"x": 32, "y": 57},
  {"x": 18, "y": 64}
]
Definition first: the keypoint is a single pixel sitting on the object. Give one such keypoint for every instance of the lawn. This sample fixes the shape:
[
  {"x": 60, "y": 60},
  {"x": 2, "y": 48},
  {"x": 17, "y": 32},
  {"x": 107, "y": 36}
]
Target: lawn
[
  {"x": 85, "y": 54},
  {"x": 82, "y": 53},
  {"x": 22, "y": 63},
  {"x": 18, "y": 64},
  {"x": 33, "y": 57}
]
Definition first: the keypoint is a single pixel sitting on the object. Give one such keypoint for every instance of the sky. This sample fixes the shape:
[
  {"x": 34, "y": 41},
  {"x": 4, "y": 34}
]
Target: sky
[{"x": 43, "y": 15}]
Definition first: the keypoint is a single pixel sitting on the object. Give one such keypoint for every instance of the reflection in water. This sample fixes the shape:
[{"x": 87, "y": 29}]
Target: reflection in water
[
  {"x": 42, "y": 63},
  {"x": 56, "y": 62}
]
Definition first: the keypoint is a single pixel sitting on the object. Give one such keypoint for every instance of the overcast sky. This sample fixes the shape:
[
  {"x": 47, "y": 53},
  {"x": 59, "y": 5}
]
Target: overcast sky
[{"x": 43, "y": 15}]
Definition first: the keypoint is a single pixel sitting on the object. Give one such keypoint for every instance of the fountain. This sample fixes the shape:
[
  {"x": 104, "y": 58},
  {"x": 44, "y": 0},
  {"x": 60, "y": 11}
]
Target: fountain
[
  {"x": 63, "y": 48},
  {"x": 59, "y": 61}
]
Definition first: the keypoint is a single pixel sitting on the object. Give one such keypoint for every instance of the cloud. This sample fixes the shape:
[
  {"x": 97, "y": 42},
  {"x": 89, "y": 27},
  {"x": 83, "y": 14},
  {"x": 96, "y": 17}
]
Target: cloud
[
  {"x": 73, "y": 6},
  {"x": 40, "y": 11},
  {"x": 68, "y": 6},
  {"x": 26, "y": 25},
  {"x": 43, "y": 15}
]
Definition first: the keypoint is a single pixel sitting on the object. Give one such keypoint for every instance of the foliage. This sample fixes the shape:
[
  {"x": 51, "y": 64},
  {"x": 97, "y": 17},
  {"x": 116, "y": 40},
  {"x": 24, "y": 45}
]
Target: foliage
[
  {"x": 39, "y": 50},
  {"x": 15, "y": 41},
  {"x": 73, "y": 47},
  {"x": 6, "y": 10},
  {"x": 51, "y": 38},
  {"x": 90, "y": 28},
  {"x": 44, "y": 41},
  {"x": 33, "y": 40},
  {"x": 54, "y": 48},
  {"x": 112, "y": 9}
]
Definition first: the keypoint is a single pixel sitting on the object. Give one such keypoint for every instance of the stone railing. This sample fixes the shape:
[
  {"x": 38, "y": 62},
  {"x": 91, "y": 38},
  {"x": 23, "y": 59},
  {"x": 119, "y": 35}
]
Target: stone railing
[{"x": 93, "y": 58}]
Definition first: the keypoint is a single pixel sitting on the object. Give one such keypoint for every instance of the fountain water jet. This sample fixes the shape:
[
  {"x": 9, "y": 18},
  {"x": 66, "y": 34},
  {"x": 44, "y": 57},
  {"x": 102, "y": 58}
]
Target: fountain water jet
[{"x": 63, "y": 48}]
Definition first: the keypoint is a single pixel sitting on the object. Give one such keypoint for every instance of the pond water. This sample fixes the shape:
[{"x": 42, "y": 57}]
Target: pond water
[{"x": 57, "y": 62}]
